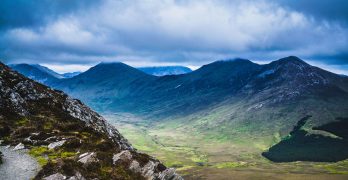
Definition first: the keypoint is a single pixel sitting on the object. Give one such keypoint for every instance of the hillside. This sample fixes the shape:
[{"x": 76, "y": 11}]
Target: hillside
[{"x": 66, "y": 137}]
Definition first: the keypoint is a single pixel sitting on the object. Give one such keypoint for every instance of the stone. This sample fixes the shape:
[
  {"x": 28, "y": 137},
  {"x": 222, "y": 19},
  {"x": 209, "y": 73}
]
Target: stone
[
  {"x": 123, "y": 156},
  {"x": 19, "y": 147},
  {"x": 169, "y": 174},
  {"x": 148, "y": 170},
  {"x": 135, "y": 166},
  {"x": 77, "y": 176},
  {"x": 56, "y": 144},
  {"x": 56, "y": 176},
  {"x": 88, "y": 158}
]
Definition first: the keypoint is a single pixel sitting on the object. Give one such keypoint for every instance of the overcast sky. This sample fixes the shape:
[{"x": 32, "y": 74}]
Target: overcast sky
[{"x": 74, "y": 35}]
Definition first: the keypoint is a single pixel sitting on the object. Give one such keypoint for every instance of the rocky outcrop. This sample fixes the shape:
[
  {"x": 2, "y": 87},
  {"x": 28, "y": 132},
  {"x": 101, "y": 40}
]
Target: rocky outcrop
[
  {"x": 70, "y": 140},
  {"x": 78, "y": 110}
]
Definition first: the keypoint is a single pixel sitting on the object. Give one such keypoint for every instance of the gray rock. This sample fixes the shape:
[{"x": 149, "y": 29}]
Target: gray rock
[
  {"x": 56, "y": 176},
  {"x": 87, "y": 158},
  {"x": 169, "y": 174},
  {"x": 123, "y": 156},
  {"x": 19, "y": 147},
  {"x": 148, "y": 171},
  {"x": 17, "y": 165},
  {"x": 135, "y": 166},
  {"x": 77, "y": 176},
  {"x": 50, "y": 139},
  {"x": 56, "y": 144}
]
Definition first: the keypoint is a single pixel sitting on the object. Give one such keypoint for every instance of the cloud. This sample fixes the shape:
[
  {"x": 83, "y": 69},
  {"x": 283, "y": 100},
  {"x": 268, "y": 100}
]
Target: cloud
[{"x": 171, "y": 31}]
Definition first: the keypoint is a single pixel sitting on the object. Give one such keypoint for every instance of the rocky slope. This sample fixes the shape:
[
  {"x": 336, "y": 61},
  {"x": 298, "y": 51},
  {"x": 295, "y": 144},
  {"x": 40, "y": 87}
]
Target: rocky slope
[{"x": 68, "y": 139}]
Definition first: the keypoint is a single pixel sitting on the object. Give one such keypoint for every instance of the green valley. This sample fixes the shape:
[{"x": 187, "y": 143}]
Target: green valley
[{"x": 199, "y": 155}]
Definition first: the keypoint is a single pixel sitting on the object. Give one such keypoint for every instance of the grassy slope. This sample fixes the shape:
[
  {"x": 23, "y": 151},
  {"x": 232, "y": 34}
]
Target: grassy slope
[
  {"x": 230, "y": 137},
  {"x": 194, "y": 154}
]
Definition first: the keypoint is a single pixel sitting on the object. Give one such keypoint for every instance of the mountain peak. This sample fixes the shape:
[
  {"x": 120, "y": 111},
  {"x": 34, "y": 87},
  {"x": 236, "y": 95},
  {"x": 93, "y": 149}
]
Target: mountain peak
[
  {"x": 111, "y": 69},
  {"x": 292, "y": 59},
  {"x": 235, "y": 60}
]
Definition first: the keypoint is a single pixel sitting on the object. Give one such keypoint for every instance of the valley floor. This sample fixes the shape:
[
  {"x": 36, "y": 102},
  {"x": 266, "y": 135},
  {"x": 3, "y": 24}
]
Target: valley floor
[{"x": 196, "y": 156}]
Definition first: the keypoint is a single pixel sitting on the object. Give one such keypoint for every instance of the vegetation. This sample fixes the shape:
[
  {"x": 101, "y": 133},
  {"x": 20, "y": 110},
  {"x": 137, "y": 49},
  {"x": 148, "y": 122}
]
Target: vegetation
[
  {"x": 302, "y": 146},
  {"x": 180, "y": 147}
]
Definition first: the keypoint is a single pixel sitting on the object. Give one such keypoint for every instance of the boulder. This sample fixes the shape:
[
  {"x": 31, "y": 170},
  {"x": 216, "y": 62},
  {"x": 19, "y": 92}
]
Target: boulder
[
  {"x": 148, "y": 170},
  {"x": 123, "y": 156},
  {"x": 135, "y": 166},
  {"x": 169, "y": 174}
]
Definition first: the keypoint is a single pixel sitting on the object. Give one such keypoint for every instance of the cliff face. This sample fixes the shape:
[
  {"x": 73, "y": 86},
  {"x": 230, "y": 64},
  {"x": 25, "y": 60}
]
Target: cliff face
[{"x": 68, "y": 139}]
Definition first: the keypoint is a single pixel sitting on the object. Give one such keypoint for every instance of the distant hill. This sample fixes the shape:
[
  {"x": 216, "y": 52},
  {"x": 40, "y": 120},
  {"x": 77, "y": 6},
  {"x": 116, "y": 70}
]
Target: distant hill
[
  {"x": 41, "y": 74},
  {"x": 68, "y": 139},
  {"x": 165, "y": 70},
  {"x": 38, "y": 73},
  {"x": 231, "y": 100}
]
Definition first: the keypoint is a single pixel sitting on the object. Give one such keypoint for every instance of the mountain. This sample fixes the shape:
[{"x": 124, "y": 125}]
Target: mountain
[
  {"x": 48, "y": 71},
  {"x": 41, "y": 74},
  {"x": 38, "y": 73},
  {"x": 116, "y": 86},
  {"x": 106, "y": 83},
  {"x": 235, "y": 100},
  {"x": 69, "y": 140},
  {"x": 165, "y": 70}
]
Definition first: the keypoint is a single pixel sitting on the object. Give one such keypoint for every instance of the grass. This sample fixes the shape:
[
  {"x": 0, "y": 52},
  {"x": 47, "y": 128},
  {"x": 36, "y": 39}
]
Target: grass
[
  {"x": 190, "y": 151},
  {"x": 43, "y": 154},
  {"x": 336, "y": 168},
  {"x": 231, "y": 165},
  {"x": 22, "y": 122}
]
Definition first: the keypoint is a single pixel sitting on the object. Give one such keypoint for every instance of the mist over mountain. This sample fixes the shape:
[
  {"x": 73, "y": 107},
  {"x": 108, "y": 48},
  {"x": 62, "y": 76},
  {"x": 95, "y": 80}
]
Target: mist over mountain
[
  {"x": 165, "y": 70},
  {"x": 70, "y": 74}
]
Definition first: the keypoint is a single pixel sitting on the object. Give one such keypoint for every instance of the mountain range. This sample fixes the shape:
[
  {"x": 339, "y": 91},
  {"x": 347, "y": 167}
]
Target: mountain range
[
  {"x": 231, "y": 99},
  {"x": 47, "y": 76},
  {"x": 68, "y": 139}
]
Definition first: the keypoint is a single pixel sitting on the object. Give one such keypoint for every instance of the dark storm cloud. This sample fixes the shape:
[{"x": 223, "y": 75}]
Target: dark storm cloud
[
  {"x": 26, "y": 13},
  {"x": 331, "y": 10},
  {"x": 172, "y": 31}
]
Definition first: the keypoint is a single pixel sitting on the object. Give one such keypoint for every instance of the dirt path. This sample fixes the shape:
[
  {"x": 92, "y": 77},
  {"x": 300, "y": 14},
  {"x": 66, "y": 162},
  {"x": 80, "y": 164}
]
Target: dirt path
[{"x": 17, "y": 165}]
